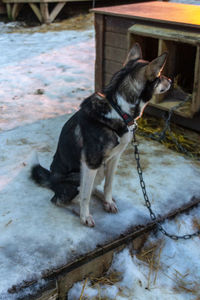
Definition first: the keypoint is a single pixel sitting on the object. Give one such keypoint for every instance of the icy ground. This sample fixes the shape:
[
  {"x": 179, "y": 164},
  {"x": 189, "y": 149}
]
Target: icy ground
[
  {"x": 43, "y": 78},
  {"x": 172, "y": 272}
]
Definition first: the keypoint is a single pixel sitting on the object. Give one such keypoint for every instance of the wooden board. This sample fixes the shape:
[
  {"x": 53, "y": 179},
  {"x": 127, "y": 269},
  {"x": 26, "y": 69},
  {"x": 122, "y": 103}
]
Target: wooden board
[
  {"x": 165, "y": 34},
  {"x": 40, "y": 1},
  {"x": 162, "y": 12}
]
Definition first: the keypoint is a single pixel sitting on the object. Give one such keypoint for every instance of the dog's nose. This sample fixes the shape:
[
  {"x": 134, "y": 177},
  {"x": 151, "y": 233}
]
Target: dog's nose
[{"x": 170, "y": 81}]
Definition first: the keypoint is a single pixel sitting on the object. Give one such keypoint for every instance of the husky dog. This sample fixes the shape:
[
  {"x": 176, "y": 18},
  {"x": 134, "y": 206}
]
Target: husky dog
[{"x": 93, "y": 139}]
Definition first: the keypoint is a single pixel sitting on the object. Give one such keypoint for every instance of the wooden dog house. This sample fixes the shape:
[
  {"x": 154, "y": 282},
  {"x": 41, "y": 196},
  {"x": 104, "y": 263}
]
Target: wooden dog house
[{"x": 158, "y": 27}]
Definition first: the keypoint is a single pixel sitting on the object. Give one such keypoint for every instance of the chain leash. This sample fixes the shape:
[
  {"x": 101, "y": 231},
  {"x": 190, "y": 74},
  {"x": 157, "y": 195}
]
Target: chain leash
[
  {"x": 148, "y": 203},
  {"x": 160, "y": 136}
]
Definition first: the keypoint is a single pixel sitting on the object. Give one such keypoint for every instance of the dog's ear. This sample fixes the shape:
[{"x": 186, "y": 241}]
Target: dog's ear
[
  {"x": 155, "y": 67},
  {"x": 134, "y": 53}
]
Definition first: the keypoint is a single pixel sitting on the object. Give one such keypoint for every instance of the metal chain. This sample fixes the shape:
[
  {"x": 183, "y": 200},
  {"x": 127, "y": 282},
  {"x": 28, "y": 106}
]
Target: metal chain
[
  {"x": 148, "y": 203},
  {"x": 159, "y": 136}
]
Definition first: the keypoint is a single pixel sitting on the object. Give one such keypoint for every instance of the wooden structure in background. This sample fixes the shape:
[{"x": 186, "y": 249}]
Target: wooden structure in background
[
  {"x": 158, "y": 27},
  {"x": 39, "y": 7}
]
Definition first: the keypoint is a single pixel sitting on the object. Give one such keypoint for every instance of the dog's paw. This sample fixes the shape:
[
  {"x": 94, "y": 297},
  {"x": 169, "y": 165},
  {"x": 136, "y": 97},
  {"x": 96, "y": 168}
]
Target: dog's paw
[
  {"x": 110, "y": 207},
  {"x": 88, "y": 221}
]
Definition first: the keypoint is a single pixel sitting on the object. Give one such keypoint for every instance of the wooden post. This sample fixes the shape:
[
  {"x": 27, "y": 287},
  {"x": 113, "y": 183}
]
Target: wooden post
[
  {"x": 15, "y": 10},
  {"x": 99, "y": 63},
  {"x": 45, "y": 13},
  {"x": 196, "y": 87},
  {"x": 56, "y": 11},
  {"x": 36, "y": 10},
  {"x": 9, "y": 11}
]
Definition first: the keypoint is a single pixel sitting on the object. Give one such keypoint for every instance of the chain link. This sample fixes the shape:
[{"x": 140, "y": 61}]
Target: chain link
[
  {"x": 148, "y": 203},
  {"x": 160, "y": 136}
]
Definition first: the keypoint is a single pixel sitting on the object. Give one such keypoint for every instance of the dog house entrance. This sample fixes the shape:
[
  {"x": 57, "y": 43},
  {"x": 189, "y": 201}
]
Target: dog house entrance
[{"x": 183, "y": 64}]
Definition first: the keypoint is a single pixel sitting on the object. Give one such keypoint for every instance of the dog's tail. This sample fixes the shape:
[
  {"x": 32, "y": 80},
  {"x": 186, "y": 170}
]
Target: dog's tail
[{"x": 41, "y": 175}]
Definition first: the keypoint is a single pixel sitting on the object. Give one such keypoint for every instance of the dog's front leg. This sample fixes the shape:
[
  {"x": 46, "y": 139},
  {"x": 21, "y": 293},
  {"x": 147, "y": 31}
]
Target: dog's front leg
[
  {"x": 87, "y": 182},
  {"x": 109, "y": 204}
]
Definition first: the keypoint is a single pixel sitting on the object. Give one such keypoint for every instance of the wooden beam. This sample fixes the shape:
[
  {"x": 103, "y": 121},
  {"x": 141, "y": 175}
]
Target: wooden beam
[
  {"x": 44, "y": 10},
  {"x": 56, "y": 10},
  {"x": 41, "y": 1},
  {"x": 36, "y": 10},
  {"x": 99, "y": 28},
  {"x": 15, "y": 10},
  {"x": 196, "y": 87},
  {"x": 9, "y": 10},
  {"x": 165, "y": 33}
]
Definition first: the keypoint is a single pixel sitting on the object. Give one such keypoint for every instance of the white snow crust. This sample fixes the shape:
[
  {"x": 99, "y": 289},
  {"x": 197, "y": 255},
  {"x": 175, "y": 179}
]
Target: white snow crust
[{"x": 179, "y": 267}]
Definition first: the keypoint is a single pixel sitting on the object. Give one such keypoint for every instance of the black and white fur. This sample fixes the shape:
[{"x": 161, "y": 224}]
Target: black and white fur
[{"x": 94, "y": 138}]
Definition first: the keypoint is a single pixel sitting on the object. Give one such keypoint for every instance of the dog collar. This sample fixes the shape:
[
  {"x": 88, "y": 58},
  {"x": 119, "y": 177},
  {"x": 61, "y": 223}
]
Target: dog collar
[{"x": 128, "y": 119}]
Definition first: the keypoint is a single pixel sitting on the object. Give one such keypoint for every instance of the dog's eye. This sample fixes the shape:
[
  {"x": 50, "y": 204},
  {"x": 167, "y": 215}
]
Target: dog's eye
[{"x": 156, "y": 82}]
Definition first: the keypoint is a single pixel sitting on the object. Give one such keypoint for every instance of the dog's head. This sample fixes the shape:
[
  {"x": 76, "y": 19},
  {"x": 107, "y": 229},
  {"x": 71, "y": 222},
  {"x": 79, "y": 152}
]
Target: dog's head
[{"x": 144, "y": 78}]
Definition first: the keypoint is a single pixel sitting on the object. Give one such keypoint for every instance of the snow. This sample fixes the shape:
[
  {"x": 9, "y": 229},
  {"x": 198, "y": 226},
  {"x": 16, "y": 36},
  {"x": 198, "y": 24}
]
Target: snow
[
  {"x": 47, "y": 74},
  {"x": 179, "y": 267},
  {"x": 41, "y": 84}
]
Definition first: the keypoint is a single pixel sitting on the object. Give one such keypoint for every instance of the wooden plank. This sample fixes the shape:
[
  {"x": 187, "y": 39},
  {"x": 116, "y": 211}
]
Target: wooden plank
[
  {"x": 44, "y": 10},
  {"x": 41, "y": 1},
  {"x": 9, "y": 10},
  {"x": 167, "y": 105},
  {"x": 56, "y": 10},
  {"x": 15, "y": 10},
  {"x": 117, "y": 24},
  {"x": 192, "y": 124},
  {"x": 107, "y": 78},
  {"x": 196, "y": 87},
  {"x": 36, "y": 11},
  {"x": 158, "y": 12},
  {"x": 99, "y": 29},
  {"x": 116, "y": 40},
  {"x": 165, "y": 33},
  {"x": 111, "y": 67},
  {"x": 92, "y": 269},
  {"x": 115, "y": 54}
]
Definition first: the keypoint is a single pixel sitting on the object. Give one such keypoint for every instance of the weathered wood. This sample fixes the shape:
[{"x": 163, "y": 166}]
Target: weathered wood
[
  {"x": 44, "y": 10},
  {"x": 115, "y": 54},
  {"x": 99, "y": 28},
  {"x": 192, "y": 123},
  {"x": 9, "y": 11},
  {"x": 40, "y": 1},
  {"x": 56, "y": 10},
  {"x": 36, "y": 11},
  {"x": 92, "y": 269},
  {"x": 16, "y": 10},
  {"x": 116, "y": 40},
  {"x": 196, "y": 87},
  {"x": 165, "y": 33},
  {"x": 165, "y": 12},
  {"x": 111, "y": 67},
  {"x": 117, "y": 24},
  {"x": 167, "y": 105},
  {"x": 107, "y": 78}
]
